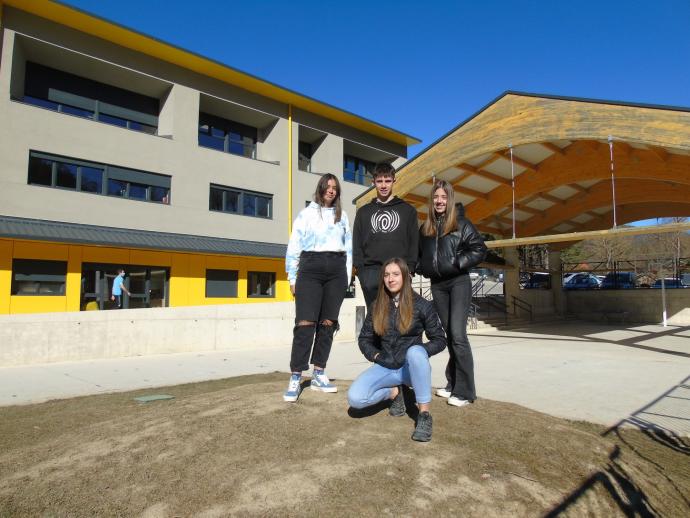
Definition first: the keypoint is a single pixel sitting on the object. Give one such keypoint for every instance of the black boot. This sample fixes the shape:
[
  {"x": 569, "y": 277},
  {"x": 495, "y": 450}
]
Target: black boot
[{"x": 422, "y": 432}]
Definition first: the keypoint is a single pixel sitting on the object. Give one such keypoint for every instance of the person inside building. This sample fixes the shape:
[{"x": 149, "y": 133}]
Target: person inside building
[
  {"x": 391, "y": 338},
  {"x": 118, "y": 288},
  {"x": 319, "y": 267},
  {"x": 384, "y": 228},
  {"x": 449, "y": 246}
]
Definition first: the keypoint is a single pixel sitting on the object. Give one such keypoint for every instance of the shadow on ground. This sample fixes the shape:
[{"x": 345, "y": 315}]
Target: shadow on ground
[{"x": 234, "y": 448}]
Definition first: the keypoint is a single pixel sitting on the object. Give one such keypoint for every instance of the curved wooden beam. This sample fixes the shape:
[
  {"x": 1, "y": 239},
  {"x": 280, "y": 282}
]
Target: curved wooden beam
[
  {"x": 523, "y": 119},
  {"x": 627, "y": 192}
]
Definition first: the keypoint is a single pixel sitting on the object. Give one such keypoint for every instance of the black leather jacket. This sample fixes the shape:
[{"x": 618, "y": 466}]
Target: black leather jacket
[
  {"x": 445, "y": 257},
  {"x": 392, "y": 347}
]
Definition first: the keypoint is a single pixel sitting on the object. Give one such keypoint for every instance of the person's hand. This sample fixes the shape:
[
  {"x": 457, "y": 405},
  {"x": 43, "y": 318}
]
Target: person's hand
[
  {"x": 112, "y": 297},
  {"x": 292, "y": 289}
]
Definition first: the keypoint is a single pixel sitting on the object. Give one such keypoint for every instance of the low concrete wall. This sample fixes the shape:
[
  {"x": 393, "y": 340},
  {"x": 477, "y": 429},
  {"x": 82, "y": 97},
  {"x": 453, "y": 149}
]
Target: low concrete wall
[
  {"x": 54, "y": 337},
  {"x": 642, "y": 305}
]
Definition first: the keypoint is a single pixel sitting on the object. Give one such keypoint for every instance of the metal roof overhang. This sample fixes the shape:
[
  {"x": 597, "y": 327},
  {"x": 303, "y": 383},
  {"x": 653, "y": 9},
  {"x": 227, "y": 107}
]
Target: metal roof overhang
[
  {"x": 73, "y": 233},
  {"x": 561, "y": 164}
]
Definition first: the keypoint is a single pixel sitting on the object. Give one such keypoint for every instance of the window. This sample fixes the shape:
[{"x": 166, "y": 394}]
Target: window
[
  {"x": 304, "y": 160},
  {"x": 226, "y": 135},
  {"x": 68, "y": 93},
  {"x": 261, "y": 284},
  {"x": 357, "y": 170},
  {"x": 37, "y": 277},
  {"x": 78, "y": 175},
  {"x": 221, "y": 283},
  {"x": 238, "y": 201}
]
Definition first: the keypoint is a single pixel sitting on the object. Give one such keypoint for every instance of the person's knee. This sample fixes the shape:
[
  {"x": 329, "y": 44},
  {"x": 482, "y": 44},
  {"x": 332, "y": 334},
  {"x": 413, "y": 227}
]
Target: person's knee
[
  {"x": 305, "y": 323},
  {"x": 355, "y": 398},
  {"x": 416, "y": 354}
]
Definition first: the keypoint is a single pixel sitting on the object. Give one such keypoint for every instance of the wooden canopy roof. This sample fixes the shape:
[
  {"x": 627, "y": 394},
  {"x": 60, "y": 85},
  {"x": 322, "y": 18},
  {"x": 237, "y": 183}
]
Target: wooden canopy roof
[{"x": 561, "y": 163}]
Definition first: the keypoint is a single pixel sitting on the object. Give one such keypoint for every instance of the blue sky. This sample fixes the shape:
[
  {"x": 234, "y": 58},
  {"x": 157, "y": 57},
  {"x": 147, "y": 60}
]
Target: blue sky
[{"x": 423, "y": 67}]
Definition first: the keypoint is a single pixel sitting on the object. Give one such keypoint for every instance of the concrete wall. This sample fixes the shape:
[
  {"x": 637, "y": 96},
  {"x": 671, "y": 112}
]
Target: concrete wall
[
  {"x": 643, "y": 305},
  {"x": 56, "y": 337}
]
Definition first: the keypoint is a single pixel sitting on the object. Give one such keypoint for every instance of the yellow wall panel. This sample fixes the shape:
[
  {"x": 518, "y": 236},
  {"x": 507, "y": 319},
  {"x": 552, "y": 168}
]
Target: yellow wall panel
[
  {"x": 73, "y": 287},
  {"x": 150, "y": 258},
  {"x": 37, "y": 304},
  {"x": 5, "y": 275},
  {"x": 97, "y": 254},
  {"x": 179, "y": 280},
  {"x": 40, "y": 250}
]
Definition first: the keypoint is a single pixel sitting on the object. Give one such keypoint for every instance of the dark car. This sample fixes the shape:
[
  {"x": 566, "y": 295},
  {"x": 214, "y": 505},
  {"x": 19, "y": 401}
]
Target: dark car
[
  {"x": 618, "y": 281},
  {"x": 582, "y": 281},
  {"x": 670, "y": 283}
]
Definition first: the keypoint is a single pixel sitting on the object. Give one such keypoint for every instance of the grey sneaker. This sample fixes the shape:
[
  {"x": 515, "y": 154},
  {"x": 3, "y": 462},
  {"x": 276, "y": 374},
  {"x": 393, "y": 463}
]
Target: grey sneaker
[
  {"x": 397, "y": 408},
  {"x": 422, "y": 432}
]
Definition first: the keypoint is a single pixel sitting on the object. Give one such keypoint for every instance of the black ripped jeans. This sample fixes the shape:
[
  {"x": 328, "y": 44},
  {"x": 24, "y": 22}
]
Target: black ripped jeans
[{"x": 319, "y": 293}]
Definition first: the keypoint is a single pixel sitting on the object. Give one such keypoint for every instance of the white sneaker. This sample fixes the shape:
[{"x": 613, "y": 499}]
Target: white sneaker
[
  {"x": 456, "y": 401},
  {"x": 442, "y": 392},
  {"x": 294, "y": 388},
  {"x": 320, "y": 382}
]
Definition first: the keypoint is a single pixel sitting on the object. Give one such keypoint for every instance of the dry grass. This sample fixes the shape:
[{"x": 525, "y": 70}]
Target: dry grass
[{"x": 232, "y": 447}]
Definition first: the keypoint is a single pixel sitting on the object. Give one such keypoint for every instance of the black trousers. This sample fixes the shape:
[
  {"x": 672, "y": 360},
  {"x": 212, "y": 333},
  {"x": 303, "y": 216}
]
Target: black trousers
[
  {"x": 319, "y": 293},
  {"x": 369, "y": 281},
  {"x": 452, "y": 298}
]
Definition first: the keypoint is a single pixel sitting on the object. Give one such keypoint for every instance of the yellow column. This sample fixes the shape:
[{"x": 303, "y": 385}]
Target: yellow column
[{"x": 73, "y": 287}]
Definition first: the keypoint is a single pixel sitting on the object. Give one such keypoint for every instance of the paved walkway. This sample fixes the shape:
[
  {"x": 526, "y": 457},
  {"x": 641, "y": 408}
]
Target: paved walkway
[{"x": 575, "y": 370}]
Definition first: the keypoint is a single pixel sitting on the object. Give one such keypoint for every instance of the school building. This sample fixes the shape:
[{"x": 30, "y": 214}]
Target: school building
[{"x": 120, "y": 150}]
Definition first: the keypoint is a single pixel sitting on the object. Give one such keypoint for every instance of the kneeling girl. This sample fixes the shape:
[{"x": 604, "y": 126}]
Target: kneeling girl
[{"x": 391, "y": 337}]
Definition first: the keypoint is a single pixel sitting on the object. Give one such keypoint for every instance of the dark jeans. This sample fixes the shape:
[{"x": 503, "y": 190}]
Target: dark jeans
[
  {"x": 319, "y": 293},
  {"x": 452, "y": 298},
  {"x": 369, "y": 281}
]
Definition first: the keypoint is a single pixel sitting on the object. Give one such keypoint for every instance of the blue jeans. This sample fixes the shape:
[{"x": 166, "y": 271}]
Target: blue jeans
[{"x": 374, "y": 384}]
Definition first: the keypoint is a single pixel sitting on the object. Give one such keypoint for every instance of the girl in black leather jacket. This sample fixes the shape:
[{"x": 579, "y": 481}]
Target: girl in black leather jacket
[
  {"x": 391, "y": 338},
  {"x": 449, "y": 246}
]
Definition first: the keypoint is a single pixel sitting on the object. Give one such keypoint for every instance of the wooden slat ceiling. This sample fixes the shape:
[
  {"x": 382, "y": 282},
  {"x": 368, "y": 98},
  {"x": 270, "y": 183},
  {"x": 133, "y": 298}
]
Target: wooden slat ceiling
[{"x": 561, "y": 164}]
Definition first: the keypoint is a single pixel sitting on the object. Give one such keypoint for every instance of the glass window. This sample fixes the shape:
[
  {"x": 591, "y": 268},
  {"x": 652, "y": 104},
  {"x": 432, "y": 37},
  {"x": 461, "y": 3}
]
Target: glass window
[
  {"x": 249, "y": 205},
  {"x": 207, "y": 140},
  {"x": 261, "y": 284},
  {"x": 66, "y": 176},
  {"x": 226, "y": 135},
  {"x": 115, "y": 121},
  {"x": 216, "y": 199},
  {"x": 221, "y": 283},
  {"x": 232, "y": 201},
  {"x": 43, "y": 103},
  {"x": 40, "y": 171},
  {"x": 117, "y": 188},
  {"x": 304, "y": 160},
  {"x": 263, "y": 207},
  {"x": 38, "y": 277},
  {"x": 160, "y": 194},
  {"x": 357, "y": 170},
  {"x": 137, "y": 191},
  {"x": 73, "y": 110},
  {"x": 91, "y": 180}
]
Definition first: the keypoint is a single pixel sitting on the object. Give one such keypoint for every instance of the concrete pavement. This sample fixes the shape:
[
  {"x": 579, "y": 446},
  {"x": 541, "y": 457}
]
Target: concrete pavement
[{"x": 576, "y": 370}]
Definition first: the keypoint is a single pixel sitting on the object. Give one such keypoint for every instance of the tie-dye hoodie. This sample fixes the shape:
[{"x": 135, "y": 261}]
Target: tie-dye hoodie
[{"x": 315, "y": 231}]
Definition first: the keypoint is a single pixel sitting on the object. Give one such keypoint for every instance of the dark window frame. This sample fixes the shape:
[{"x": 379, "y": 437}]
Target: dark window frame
[
  {"x": 305, "y": 151},
  {"x": 241, "y": 194},
  {"x": 271, "y": 290},
  {"x": 221, "y": 274},
  {"x": 30, "y": 264},
  {"x": 362, "y": 174},
  {"x": 68, "y": 93},
  {"x": 248, "y": 135},
  {"x": 150, "y": 181}
]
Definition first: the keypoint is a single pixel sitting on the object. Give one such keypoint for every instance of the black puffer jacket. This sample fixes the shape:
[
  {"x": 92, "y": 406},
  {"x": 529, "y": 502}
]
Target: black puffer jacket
[
  {"x": 393, "y": 346},
  {"x": 442, "y": 258}
]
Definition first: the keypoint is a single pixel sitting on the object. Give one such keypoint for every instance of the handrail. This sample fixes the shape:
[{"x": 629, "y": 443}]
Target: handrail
[
  {"x": 472, "y": 316},
  {"x": 478, "y": 287},
  {"x": 522, "y": 304},
  {"x": 492, "y": 300}
]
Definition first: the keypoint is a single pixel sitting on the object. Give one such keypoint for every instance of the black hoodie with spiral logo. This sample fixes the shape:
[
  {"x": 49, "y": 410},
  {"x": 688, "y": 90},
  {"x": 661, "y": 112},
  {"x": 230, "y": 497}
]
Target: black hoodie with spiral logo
[{"x": 385, "y": 230}]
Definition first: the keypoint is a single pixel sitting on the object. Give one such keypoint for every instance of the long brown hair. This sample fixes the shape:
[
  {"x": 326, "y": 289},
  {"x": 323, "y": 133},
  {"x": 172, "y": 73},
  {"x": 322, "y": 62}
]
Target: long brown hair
[
  {"x": 450, "y": 216},
  {"x": 381, "y": 306},
  {"x": 321, "y": 190}
]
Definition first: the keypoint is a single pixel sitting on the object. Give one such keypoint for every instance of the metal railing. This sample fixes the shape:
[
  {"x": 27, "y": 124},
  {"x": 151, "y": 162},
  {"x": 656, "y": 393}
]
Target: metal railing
[{"x": 524, "y": 305}]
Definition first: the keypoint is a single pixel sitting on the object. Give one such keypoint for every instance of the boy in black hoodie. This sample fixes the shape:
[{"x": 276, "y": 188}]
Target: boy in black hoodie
[{"x": 384, "y": 228}]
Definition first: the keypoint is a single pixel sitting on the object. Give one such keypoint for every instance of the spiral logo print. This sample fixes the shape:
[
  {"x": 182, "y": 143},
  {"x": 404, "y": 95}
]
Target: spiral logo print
[{"x": 385, "y": 221}]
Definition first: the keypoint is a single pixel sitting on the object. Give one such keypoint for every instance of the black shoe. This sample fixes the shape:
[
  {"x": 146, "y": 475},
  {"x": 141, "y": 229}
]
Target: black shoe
[
  {"x": 422, "y": 432},
  {"x": 397, "y": 408}
]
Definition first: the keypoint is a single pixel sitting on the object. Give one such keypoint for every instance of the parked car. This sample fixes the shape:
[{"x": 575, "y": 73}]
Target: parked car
[
  {"x": 670, "y": 283},
  {"x": 618, "y": 281},
  {"x": 537, "y": 280},
  {"x": 582, "y": 281}
]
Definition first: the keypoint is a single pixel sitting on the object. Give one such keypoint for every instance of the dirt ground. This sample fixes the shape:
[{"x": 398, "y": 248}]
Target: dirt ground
[{"x": 234, "y": 448}]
